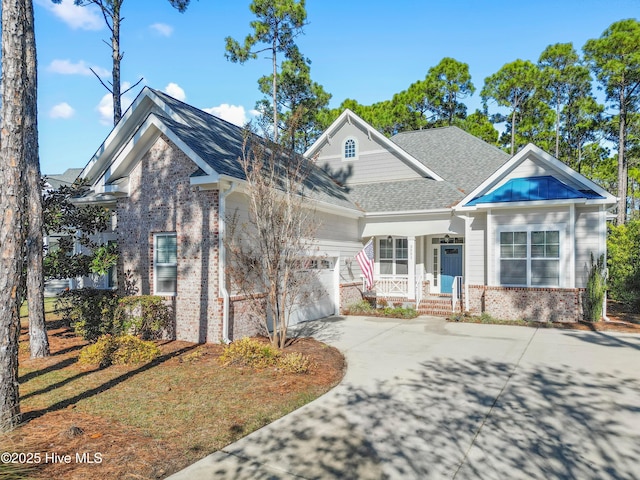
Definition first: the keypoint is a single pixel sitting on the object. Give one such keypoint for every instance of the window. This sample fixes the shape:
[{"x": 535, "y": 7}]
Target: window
[
  {"x": 350, "y": 149},
  {"x": 530, "y": 258},
  {"x": 165, "y": 263},
  {"x": 394, "y": 256},
  {"x": 435, "y": 267}
]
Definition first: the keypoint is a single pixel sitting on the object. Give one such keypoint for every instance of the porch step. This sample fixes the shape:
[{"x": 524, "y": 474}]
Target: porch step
[{"x": 439, "y": 306}]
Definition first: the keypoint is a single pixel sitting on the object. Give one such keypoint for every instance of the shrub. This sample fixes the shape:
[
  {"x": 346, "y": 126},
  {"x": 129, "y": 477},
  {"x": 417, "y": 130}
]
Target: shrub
[
  {"x": 89, "y": 311},
  {"x": 294, "y": 363},
  {"x": 146, "y": 316},
  {"x": 623, "y": 260},
  {"x": 596, "y": 290},
  {"x": 123, "y": 350},
  {"x": 363, "y": 306},
  {"x": 250, "y": 352}
]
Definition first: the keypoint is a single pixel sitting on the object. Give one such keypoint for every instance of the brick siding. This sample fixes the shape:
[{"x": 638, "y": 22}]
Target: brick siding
[
  {"x": 535, "y": 304},
  {"x": 162, "y": 200}
]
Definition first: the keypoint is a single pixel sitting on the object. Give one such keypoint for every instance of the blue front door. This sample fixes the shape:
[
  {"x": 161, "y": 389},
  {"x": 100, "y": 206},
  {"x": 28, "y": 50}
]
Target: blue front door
[{"x": 451, "y": 266}]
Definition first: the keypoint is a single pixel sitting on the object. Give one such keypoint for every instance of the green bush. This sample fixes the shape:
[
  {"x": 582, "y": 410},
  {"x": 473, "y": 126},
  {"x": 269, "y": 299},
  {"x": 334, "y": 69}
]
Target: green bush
[
  {"x": 146, "y": 316},
  {"x": 623, "y": 260},
  {"x": 596, "y": 290},
  {"x": 123, "y": 350},
  {"x": 89, "y": 311}
]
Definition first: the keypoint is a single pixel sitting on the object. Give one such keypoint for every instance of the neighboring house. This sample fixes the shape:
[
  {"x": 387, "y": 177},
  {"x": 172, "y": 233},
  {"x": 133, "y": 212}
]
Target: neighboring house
[
  {"x": 53, "y": 287},
  {"x": 51, "y": 182},
  {"x": 450, "y": 215}
]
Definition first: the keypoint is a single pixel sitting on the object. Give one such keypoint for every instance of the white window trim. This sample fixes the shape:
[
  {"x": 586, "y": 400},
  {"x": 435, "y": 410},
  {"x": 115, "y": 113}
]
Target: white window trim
[
  {"x": 357, "y": 147},
  {"x": 156, "y": 264},
  {"x": 562, "y": 263},
  {"x": 394, "y": 260}
]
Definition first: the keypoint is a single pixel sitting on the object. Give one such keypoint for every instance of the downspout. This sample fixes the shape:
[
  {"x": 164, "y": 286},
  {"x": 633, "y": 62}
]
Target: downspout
[{"x": 222, "y": 260}]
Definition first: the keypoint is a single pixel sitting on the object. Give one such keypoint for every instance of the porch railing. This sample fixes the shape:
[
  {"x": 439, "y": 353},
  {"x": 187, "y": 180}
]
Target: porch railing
[
  {"x": 397, "y": 286},
  {"x": 456, "y": 294}
]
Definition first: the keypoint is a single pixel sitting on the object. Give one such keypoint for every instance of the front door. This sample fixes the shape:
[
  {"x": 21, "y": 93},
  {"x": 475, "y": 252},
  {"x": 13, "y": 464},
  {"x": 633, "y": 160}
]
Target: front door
[{"x": 450, "y": 266}]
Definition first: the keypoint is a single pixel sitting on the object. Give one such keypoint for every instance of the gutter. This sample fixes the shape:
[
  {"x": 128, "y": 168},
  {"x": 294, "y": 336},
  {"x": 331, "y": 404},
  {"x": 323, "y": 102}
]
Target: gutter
[{"x": 222, "y": 259}]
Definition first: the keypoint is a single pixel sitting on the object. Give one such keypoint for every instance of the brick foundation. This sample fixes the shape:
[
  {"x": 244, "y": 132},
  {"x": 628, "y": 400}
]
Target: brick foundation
[
  {"x": 350, "y": 293},
  {"x": 534, "y": 304}
]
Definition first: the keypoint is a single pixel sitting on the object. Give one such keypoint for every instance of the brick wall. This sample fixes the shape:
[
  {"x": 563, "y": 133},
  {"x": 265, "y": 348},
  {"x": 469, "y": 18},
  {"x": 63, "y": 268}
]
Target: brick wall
[
  {"x": 350, "y": 293},
  {"x": 162, "y": 200},
  {"x": 535, "y": 304},
  {"x": 244, "y": 320}
]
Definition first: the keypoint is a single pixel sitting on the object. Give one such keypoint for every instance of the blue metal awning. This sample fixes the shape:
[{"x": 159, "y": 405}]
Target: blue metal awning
[{"x": 533, "y": 189}]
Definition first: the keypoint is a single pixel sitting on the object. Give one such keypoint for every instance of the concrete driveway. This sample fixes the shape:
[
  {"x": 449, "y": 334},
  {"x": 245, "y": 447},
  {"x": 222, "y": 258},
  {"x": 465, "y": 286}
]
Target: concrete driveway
[{"x": 428, "y": 399}]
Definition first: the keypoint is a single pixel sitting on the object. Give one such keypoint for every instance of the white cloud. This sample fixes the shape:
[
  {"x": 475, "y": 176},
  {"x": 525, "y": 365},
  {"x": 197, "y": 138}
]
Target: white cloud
[
  {"x": 162, "y": 29},
  {"x": 105, "y": 107},
  {"x": 62, "y": 110},
  {"x": 175, "y": 91},
  {"x": 84, "y": 18},
  {"x": 67, "y": 67},
  {"x": 235, "y": 114}
]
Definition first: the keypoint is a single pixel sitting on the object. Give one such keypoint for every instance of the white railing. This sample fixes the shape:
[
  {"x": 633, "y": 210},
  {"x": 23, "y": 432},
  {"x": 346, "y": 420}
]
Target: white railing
[
  {"x": 456, "y": 294},
  {"x": 397, "y": 286}
]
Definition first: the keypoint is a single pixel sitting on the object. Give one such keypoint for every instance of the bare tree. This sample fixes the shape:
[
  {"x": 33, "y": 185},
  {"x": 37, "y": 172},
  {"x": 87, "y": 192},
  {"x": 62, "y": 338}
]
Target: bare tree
[
  {"x": 270, "y": 253},
  {"x": 111, "y": 12},
  {"x": 12, "y": 165}
]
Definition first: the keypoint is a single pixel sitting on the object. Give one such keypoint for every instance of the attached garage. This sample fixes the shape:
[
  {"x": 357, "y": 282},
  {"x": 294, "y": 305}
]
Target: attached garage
[{"x": 322, "y": 293}]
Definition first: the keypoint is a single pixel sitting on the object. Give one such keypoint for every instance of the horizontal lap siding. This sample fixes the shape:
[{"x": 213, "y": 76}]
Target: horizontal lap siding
[
  {"x": 475, "y": 246},
  {"x": 587, "y": 241},
  {"x": 374, "y": 163},
  {"x": 515, "y": 218}
]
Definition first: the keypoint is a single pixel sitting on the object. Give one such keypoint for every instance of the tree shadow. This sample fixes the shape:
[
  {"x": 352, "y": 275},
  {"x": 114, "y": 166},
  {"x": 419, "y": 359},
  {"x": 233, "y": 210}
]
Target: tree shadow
[
  {"x": 100, "y": 388},
  {"x": 452, "y": 419},
  {"x": 606, "y": 340}
]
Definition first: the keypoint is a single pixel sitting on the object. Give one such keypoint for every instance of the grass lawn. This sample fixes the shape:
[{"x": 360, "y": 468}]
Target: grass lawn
[{"x": 149, "y": 420}]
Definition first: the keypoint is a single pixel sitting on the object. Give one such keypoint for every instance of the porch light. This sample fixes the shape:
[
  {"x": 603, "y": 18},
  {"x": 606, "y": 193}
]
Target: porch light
[{"x": 389, "y": 238}]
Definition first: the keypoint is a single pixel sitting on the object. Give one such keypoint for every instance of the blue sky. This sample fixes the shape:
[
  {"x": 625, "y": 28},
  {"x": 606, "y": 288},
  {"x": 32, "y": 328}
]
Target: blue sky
[{"x": 361, "y": 49}]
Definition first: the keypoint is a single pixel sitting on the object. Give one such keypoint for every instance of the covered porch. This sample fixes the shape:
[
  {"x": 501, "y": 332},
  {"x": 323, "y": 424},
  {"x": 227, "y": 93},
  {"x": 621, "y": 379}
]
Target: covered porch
[{"x": 419, "y": 268}]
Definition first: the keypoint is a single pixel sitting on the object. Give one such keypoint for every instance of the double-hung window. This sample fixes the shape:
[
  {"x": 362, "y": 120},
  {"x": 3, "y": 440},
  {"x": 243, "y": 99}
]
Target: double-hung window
[
  {"x": 394, "y": 257},
  {"x": 530, "y": 257},
  {"x": 165, "y": 263}
]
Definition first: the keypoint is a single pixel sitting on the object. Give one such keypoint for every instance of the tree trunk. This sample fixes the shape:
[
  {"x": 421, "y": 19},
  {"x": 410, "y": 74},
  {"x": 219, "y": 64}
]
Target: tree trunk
[
  {"x": 623, "y": 166},
  {"x": 513, "y": 132},
  {"x": 558, "y": 130},
  {"x": 275, "y": 89},
  {"x": 117, "y": 57},
  {"x": 11, "y": 204},
  {"x": 38, "y": 341}
]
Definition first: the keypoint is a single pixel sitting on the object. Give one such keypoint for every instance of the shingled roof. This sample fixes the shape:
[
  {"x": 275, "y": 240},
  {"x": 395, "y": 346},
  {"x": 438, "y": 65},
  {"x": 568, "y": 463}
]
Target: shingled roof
[
  {"x": 460, "y": 158},
  {"x": 220, "y": 144}
]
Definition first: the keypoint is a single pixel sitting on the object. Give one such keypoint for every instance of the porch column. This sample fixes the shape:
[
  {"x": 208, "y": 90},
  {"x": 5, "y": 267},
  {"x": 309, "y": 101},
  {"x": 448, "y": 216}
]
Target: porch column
[{"x": 411, "y": 267}]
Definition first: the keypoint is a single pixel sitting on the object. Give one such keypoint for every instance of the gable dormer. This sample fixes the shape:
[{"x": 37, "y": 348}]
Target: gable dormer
[{"x": 353, "y": 152}]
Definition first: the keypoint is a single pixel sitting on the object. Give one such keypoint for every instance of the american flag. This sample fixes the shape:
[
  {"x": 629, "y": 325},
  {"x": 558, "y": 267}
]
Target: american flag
[{"x": 365, "y": 260}]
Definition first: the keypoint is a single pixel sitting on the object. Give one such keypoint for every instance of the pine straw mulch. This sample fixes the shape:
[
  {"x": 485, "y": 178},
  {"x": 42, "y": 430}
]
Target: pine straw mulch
[{"x": 148, "y": 421}]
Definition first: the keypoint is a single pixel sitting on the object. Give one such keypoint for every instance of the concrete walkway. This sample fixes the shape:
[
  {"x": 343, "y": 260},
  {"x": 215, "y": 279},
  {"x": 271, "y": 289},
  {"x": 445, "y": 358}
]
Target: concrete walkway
[{"x": 428, "y": 399}]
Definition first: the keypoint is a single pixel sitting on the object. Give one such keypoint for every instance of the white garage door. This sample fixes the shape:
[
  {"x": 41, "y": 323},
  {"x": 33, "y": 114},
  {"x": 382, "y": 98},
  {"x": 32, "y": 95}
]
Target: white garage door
[{"x": 323, "y": 294}]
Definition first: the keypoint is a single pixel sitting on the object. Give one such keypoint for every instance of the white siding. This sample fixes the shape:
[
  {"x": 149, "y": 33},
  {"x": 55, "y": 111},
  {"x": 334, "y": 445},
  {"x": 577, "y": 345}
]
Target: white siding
[
  {"x": 374, "y": 162},
  {"x": 475, "y": 249},
  {"x": 337, "y": 237},
  {"x": 526, "y": 217},
  {"x": 587, "y": 241}
]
